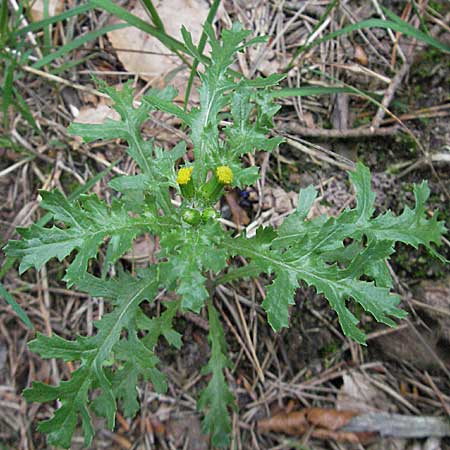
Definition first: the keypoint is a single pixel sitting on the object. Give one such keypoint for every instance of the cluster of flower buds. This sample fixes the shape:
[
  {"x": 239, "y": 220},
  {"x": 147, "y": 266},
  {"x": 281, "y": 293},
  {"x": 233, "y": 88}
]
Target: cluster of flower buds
[
  {"x": 211, "y": 192},
  {"x": 212, "y": 189}
]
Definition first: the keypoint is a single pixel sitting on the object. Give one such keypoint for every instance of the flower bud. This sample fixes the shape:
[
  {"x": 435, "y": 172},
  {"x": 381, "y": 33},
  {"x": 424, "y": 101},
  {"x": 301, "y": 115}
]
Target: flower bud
[
  {"x": 191, "y": 216},
  {"x": 209, "y": 213}
]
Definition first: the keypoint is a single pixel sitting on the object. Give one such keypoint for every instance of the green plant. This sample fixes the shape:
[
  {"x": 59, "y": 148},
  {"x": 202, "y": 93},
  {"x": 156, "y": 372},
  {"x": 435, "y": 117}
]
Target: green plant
[
  {"x": 13, "y": 52},
  {"x": 344, "y": 258}
]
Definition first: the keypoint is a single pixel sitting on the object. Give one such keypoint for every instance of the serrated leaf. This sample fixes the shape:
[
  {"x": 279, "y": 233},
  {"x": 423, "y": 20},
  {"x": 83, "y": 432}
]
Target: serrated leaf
[
  {"x": 129, "y": 127},
  {"x": 161, "y": 326},
  {"x": 307, "y": 251},
  {"x": 243, "y": 135},
  {"x": 216, "y": 398},
  {"x": 87, "y": 224},
  {"x": 316, "y": 251},
  {"x": 279, "y": 295},
  {"x": 92, "y": 352},
  {"x": 193, "y": 251},
  {"x": 247, "y": 133}
]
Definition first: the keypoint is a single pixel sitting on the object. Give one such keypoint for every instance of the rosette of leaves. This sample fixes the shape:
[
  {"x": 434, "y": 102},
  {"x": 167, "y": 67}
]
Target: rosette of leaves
[{"x": 344, "y": 257}]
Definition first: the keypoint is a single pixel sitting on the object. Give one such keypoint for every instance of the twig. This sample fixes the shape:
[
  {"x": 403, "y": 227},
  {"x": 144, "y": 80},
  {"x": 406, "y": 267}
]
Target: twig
[
  {"x": 318, "y": 154},
  {"x": 390, "y": 92},
  {"x": 341, "y": 134},
  {"x": 60, "y": 80},
  {"x": 399, "y": 425},
  {"x": 389, "y": 31},
  {"x": 438, "y": 393}
]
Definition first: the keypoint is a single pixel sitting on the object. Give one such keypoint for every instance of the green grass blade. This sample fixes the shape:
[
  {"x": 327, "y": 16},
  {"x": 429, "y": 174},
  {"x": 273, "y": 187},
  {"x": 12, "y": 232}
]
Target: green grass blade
[
  {"x": 48, "y": 28},
  {"x": 153, "y": 13},
  {"x": 7, "y": 90},
  {"x": 423, "y": 25},
  {"x": 375, "y": 99},
  {"x": 201, "y": 46},
  {"x": 15, "y": 306},
  {"x": 3, "y": 23},
  {"x": 77, "y": 43},
  {"x": 24, "y": 110},
  {"x": 311, "y": 90},
  {"x": 35, "y": 26}
]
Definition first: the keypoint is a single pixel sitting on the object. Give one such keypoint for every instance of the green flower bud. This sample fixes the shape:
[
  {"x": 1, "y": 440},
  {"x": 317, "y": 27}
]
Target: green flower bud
[
  {"x": 209, "y": 213},
  {"x": 191, "y": 216}
]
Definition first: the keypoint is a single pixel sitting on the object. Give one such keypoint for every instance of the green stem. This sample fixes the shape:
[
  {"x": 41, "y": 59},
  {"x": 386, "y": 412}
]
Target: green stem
[
  {"x": 153, "y": 13},
  {"x": 201, "y": 47}
]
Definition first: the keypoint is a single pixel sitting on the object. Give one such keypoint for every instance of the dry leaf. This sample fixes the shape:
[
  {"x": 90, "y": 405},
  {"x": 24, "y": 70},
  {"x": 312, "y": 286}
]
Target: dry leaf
[
  {"x": 360, "y": 55},
  {"x": 96, "y": 114},
  {"x": 329, "y": 418},
  {"x": 37, "y": 9},
  {"x": 433, "y": 307},
  {"x": 278, "y": 199},
  {"x": 358, "y": 394},
  {"x": 144, "y": 250},
  {"x": 268, "y": 62},
  {"x": 147, "y": 56},
  {"x": 292, "y": 423},
  {"x": 403, "y": 345},
  {"x": 239, "y": 214},
  {"x": 324, "y": 423}
]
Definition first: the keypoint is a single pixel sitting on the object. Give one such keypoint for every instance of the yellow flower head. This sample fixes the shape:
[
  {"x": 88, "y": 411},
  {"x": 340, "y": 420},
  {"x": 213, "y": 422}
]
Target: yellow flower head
[
  {"x": 184, "y": 175},
  {"x": 224, "y": 174}
]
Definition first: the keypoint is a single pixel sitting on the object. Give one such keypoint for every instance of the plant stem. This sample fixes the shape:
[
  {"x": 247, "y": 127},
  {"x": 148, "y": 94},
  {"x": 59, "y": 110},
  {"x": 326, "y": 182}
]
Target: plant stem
[{"x": 201, "y": 47}]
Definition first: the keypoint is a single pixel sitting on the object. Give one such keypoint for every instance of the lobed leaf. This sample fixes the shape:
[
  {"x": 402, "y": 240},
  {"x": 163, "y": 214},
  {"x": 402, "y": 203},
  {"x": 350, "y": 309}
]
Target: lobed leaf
[
  {"x": 314, "y": 252},
  {"x": 193, "y": 251},
  {"x": 92, "y": 353},
  {"x": 215, "y": 399},
  {"x": 87, "y": 223}
]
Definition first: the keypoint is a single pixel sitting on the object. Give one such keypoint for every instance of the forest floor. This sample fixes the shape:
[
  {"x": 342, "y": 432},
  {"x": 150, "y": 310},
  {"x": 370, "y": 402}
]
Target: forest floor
[{"x": 311, "y": 364}]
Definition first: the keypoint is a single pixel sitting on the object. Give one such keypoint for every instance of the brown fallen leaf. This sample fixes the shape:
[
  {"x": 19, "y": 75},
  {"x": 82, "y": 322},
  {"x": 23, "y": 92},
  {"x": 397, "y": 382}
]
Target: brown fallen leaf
[
  {"x": 329, "y": 418},
  {"x": 37, "y": 9},
  {"x": 143, "y": 251},
  {"x": 343, "y": 436},
  {"x": 325, "y": 424},
  {"x": 239, "y": 214},
  {"x": 143, "y": 54},
  {"x": 436, "y": 295},
  {"x": 96, "y": 114},
  {"x": 360, "y": 55},
  {"x": 292, "y": 423}
]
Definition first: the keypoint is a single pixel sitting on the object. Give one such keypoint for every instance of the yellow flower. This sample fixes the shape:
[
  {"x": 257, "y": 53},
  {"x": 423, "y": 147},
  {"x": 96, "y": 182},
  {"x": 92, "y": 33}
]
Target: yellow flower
[
  {"x": 184, "y": 175},
  {"x": 224, "y": 174}
]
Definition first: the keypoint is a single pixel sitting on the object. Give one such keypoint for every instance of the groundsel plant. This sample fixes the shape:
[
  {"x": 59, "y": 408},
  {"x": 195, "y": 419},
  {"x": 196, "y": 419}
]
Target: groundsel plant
[{"x": 344, "y": 258}]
